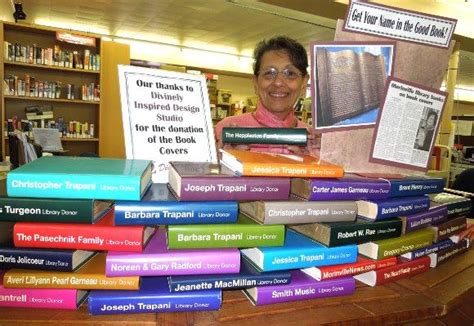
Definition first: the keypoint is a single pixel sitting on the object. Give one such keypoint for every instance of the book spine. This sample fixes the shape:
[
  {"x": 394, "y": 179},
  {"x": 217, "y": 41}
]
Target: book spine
[
  {"x": 289, "y": 136},
  {"x": 235, "y": 188},
  {"x": 168, "y": 213},
  {"x": 75, "y": 186},
  {"x": 39, "y": 298},
  {"x": 347, "y": 190},
  {"x": 406, "y": 188},
  {"x": 409, "y": 242},
  {"x": 448, "y": 253},
  {"x": 460, "y": 208},
  {"x": 45, "y": 210},
  {"x": 297, "y": 292},
  {"x": 423, "y": 219},
  {"x": 35, "y": 259},
  {"x": 199, "y": 262},
  {"x": 435, "y": 247},
  {"x": 225, "y": 236},
  {"x": 287, "y": 170},
  {"x": 403, "y": 270},
  {"x": 44, "y": 280},
  {"x": 78, "y": 236},
  {"x": 192, "y": 301},
  {"x": 445, "y": 230},
  {"x": 403, "y": 206}
]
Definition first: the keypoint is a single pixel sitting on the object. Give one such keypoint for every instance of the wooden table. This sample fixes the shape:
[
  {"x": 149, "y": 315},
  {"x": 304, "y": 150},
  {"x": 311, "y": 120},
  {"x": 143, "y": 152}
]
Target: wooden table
[{"x": 441, "y": 295}]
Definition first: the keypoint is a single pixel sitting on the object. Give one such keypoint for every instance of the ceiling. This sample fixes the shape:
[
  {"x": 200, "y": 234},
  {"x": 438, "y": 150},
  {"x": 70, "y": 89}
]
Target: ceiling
[{"x": 230, "y": 26}]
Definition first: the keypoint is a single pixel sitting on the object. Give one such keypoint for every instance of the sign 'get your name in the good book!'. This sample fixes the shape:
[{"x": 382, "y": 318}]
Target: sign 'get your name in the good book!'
[{"x": 166, "y": 117}]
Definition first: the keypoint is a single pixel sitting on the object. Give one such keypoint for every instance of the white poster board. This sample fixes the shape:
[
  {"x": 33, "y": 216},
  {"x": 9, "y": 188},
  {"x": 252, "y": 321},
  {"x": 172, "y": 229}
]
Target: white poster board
[{"x": 166, "y": 117}]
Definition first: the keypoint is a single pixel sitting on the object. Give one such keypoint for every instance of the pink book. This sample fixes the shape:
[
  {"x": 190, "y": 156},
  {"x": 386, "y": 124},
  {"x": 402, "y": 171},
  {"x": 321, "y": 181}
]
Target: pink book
[{"x": 156, "y": 259}]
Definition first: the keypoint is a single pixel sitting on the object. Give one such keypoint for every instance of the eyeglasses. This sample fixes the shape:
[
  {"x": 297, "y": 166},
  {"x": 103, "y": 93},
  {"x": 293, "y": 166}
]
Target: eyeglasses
[{"x": 272, "y": 73}]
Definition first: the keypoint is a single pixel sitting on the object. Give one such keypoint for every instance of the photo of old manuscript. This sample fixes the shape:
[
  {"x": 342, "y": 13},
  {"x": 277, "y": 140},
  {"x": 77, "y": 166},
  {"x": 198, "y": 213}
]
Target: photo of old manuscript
[{"x": 348, "y": 83}]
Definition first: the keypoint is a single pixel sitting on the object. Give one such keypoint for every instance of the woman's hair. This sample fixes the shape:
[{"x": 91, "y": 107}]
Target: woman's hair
[
  {"x": 295, "y": 50},
  {"x": 432, "y": 113}
]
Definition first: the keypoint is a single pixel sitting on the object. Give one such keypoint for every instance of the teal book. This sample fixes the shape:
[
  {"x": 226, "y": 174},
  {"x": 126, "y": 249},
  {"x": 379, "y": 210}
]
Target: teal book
[
  {"x": 80, "y": 177},
  {"x": 243, "y": 234}
]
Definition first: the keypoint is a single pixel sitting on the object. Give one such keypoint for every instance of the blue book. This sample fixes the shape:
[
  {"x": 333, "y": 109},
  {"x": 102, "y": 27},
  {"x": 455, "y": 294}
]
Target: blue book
[
  {"x": 415, "y": 186},
  {"x": 249, "y": 276},
  {"x": 154, "y": 296},
  {"x": 435, "y": 247},
  {"x": 63, "y": 260},
  {"x": 392, "y": 207},
  {"x": 159, "y": 207},
  {"x": 299, "y": 251},
  {"x": 80, "y": 177}
]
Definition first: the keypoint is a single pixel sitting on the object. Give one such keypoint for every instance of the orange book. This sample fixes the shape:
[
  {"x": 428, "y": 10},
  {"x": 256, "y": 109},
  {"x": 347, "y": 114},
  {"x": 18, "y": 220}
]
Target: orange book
[
  {"x": 89, "y": 277},
  {"x": 282, "y": 165}
]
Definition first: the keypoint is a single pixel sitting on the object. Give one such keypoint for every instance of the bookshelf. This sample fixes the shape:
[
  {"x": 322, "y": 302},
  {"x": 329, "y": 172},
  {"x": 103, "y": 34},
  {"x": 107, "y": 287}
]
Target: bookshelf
[{"x": 46, "y": 73}]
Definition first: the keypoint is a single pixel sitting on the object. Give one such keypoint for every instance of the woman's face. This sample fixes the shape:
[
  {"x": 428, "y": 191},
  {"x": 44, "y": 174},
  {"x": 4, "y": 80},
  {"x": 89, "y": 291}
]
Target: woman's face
[
  {"x": 279, "y": 94},
  {"x": 430, "y": 122}
]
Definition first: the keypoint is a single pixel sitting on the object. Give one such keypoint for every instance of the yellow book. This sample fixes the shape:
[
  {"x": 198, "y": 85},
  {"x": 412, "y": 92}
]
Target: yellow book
[
  {"x": 248, "y": 163},
  {"x": 89, "y": 277}
]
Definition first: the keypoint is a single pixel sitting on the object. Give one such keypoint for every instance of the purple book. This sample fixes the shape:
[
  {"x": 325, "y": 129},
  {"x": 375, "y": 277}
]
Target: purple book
[
  {"x": 302, "y": 287},
  {"x": 157, "y": 260},
  {"x": 421, "y": 220},
  {"x": 196, "y": 181}
]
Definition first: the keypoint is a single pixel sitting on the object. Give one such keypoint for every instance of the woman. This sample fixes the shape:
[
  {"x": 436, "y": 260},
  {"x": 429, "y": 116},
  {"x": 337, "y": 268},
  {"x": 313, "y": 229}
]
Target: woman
[{"x": 280, "y": 78}]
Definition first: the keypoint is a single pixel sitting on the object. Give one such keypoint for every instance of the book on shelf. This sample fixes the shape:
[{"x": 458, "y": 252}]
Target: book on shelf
[
  {"x": 91, "y": 276},
  {"x": 248, "y": 276},
  {"x": 80, "y": 177},
  {"x": 418, "y": 221},
  {"x": 69, "y": 299},
  {"x": 448, "y": 228},
  {"x": 435, "y": 247},
  {"x": 154, "y": 296},
  {"x": 456, "y": 205},
  {"x": 399, "y": 271},
  {"x": 156, "y": 259},
  {"x": 296, "y": 211},
  {"x": 302, "y": 287},
  {"x": 61, "y": 260},
  {"x": 441, "y": 256},
  {"x": 103, "y": 235},
  {"x": 299, "y": 251},
  {"x": 160, "y": 207},
  {"x": 392, "y": 207},
  {"x": 243, "y": 234},
  {"x": 362, "y": 265},
  {"x": 201, "y": 181},
  {"x": 397, "y": 246},
  {"x": 252, "y": 135},
  {"x": 264, "y": 164},
  {"x": 333, "y": 234},
  {"x": 50, "y": 210}
]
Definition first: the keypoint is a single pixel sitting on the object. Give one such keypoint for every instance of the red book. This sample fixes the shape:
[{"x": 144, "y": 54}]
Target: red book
[
  {"x": 103, "y": 235},
  {"x": 362, "y": 265},
  {"x": 402, "y": 270}
]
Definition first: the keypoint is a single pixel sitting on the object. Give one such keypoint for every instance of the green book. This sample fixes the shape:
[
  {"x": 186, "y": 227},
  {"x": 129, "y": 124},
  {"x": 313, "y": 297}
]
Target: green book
[
  {"x": 396, "y": 246},
  {"x": 246, "y": 233},
  {"x": 334, "y": 234},
  {"x": 247, "y": 135}
]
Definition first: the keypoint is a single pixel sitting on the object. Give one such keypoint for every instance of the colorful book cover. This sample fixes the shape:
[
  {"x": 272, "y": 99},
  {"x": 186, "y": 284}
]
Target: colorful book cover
[
  {"x": 91, "y": 276},
  {"x": 402, "y": 270},
  {"x": 415, "y": 186},
  {"x": 264, "y": 164},
  {"x": 61, "y": 260},
  {"x": 248, "y": 276},
  {"x": 69, "y": 299},
  {"x": 243, "y": 234},
  {"x": 196, "y": 181},
  {"x": 154, "y": 296},
  {"x": 448, "y": 228},
  {"x": 362, "y": 265},
  {"x": 333, "y": 234},
  {"x": 103, "y": 235},
  {"x": 435, "y": 247},
  {"x": 418, "y": 221},
  {"x": 302, "y": 287},
  {"x": 346, "y": 188},
  {"x": 50, "y": 210},
  {"x": 156, "y": 259},
  {"x": 297, "y": 211},
  {"x": 441, "y": 256},
  {"x": 392, "y": 207},
  {"x": 466, "y": 195},
  {"x": 80, "y": 177},
  {"x": 456, "y": 205},
  {"x": 252, "y": 135},
  {"x": 397, "y": 246},
  {"x": 159, "y": 207},
  {"x": 299, "y": 251}
]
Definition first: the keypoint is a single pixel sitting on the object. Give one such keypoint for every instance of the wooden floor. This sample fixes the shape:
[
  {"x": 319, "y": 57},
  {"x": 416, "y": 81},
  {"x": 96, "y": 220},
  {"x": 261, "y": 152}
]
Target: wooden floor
[{"x": 441, "y": 296}]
